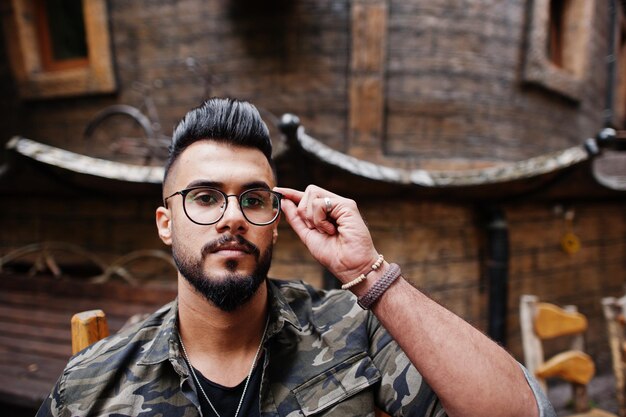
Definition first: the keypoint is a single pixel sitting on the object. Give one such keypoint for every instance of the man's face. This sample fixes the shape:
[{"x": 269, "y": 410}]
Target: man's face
[{"x": 226, "y": 261}]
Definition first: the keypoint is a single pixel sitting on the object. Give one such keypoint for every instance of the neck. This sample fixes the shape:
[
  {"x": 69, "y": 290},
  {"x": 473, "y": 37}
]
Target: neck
[
  {"x": 203, "y": 323},
  {"x": 221, "y": 344}
]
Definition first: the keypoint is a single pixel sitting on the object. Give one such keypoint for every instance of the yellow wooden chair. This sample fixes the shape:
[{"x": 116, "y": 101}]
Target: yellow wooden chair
[
  {"x": 543, "y": 321},
  {"x": 87, "y": 328},
  {"x": 615, "y": 314}
]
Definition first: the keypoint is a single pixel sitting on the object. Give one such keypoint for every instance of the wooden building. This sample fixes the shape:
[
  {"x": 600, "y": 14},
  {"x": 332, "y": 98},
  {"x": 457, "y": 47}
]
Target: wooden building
[{"x": 472, "y": 133}]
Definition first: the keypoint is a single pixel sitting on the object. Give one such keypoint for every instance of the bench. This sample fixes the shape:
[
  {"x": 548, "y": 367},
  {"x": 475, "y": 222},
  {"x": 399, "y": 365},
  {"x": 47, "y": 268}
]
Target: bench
[{"x": 35, "y": 315}]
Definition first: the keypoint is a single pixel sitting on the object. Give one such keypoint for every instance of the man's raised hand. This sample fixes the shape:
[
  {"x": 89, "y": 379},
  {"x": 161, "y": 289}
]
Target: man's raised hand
[{"x": 332, "y": 228}]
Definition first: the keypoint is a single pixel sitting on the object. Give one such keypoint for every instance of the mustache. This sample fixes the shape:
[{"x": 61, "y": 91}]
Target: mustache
[{"x": 215, "y": 244}]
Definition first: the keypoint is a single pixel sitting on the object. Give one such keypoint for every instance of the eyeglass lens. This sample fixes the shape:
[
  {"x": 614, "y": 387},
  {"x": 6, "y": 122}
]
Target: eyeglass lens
[{"x": 206, "y": 205}]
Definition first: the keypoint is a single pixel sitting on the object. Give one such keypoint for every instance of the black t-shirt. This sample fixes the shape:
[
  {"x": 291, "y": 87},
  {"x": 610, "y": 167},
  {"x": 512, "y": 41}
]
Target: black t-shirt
[{"x": 226, "y": 399}]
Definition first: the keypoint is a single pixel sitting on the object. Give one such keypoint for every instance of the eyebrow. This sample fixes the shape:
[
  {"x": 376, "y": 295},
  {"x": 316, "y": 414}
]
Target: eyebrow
[{"x": 220, "y": 185}]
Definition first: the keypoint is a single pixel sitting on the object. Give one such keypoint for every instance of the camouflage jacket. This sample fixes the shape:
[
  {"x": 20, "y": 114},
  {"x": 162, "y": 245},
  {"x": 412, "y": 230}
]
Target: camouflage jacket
[{"x": 324, "y": 356}]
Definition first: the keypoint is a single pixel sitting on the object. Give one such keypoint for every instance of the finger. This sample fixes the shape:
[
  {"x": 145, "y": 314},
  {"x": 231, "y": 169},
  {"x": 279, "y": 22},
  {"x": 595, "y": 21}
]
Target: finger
[
  {"x": 290, "y": 194},
  {"x": 312, "y": 212},
  {"x": 290, "y": 210},
  {"x": 305, "y": 209},
  {"x": 308, "y": 204},
  {"x": 296, "y": 197},
  {"x": 305, "y": 230},
  {"x": 321, "y": 216}
]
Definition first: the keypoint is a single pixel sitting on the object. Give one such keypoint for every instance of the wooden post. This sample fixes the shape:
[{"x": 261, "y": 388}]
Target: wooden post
[
  {"x": 87, "y": 328},
  {"x": 614, "y": 314},
  {"x": 367, "y": 78},
  {"x": 533, "y": 350},
  {"x": 581, "y": 399}
]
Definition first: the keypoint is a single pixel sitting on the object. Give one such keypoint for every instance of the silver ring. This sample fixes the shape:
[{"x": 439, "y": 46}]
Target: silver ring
[{"x": 328, "y": 205}]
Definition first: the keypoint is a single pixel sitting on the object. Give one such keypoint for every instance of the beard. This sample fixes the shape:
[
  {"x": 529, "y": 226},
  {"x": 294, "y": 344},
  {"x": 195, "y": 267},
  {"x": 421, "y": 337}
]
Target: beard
[{"x": 227, "y": 292}]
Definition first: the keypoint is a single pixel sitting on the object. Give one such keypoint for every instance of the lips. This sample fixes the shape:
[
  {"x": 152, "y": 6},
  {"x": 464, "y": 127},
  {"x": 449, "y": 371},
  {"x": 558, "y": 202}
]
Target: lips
[{"x": 232, "y": 247}]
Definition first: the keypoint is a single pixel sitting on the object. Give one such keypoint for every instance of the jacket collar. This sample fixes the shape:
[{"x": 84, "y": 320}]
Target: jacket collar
[
  {"x": 165, "y": 345},
  {"x": 280, "y": 310}
]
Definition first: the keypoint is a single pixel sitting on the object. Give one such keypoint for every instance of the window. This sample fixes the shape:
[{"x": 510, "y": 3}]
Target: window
[
  {"x": 61, "y": 34},
  {"x": 59, "y": 48},
  {"x": 555, "y": 32},
  {"x": 558, "y": 42}
]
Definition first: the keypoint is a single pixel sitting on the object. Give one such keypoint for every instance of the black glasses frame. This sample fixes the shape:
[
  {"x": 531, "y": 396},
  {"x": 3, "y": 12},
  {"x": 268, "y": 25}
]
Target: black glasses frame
[{"x": 186, "y": 191}]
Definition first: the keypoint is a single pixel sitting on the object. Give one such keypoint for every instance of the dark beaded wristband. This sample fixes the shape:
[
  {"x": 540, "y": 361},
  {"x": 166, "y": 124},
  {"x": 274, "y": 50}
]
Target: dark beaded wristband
[{"x": 380, "y": 286}]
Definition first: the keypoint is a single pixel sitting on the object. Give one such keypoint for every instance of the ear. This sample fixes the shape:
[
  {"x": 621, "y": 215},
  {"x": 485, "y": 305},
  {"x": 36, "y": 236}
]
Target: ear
[
  {"x": 275, "y": 235},
  {"x": 164, "y": 224}
]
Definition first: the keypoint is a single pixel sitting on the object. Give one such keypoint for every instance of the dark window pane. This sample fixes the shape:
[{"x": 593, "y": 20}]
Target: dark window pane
[
  {"x": 67, "y": 29},
  {"x": 555, "y": 32}
]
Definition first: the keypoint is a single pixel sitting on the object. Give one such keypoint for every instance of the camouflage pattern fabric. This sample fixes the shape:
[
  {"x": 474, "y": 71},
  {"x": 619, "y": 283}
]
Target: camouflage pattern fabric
[{"x": 324, "y": 356}]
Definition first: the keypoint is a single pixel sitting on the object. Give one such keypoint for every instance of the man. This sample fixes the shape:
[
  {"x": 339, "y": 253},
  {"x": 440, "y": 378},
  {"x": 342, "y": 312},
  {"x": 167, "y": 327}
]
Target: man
[{"x": 237, "y": 343}]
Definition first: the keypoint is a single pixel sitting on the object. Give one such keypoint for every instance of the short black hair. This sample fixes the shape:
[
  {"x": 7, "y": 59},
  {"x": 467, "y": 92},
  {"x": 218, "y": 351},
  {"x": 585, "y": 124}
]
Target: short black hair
[{"x": 224, "y": 120}]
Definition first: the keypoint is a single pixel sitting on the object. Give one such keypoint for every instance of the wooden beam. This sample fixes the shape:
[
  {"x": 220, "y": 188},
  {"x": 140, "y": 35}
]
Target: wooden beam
[{"x": 367, "y": 78}]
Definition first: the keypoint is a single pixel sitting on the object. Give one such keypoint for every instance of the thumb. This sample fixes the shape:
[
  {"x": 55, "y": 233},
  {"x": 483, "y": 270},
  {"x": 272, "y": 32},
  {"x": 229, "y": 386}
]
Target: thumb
[{"x": 290, "y": 211}]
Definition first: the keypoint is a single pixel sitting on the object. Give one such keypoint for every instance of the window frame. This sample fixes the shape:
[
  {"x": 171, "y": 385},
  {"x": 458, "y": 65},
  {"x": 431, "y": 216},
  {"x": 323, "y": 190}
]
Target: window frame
[
  {"x": 97, "y": 76},
  {"x": 539, "y": 69},
  {"x": 46, "y": 48}
]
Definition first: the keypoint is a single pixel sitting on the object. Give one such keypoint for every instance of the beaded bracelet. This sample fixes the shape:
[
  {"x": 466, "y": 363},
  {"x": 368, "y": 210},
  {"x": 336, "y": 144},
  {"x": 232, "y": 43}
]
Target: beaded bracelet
[
  {"x": 380, "y": 286},
  {"x": 362, "y": 277}
]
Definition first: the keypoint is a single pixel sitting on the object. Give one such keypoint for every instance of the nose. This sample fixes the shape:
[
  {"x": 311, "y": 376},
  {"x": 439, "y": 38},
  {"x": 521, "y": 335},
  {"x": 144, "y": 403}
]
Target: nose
[{"x": 233, "y": 219}]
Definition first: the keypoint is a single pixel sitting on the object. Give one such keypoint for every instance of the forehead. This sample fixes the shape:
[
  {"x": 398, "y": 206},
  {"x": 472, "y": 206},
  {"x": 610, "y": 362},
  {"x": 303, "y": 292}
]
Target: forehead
[{"x": 218, "y": 162}]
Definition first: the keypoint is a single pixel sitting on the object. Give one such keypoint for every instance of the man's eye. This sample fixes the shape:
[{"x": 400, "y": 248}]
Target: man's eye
[
  {"x": 205, "y": 199},
  {"x": 252, "y": 202}
]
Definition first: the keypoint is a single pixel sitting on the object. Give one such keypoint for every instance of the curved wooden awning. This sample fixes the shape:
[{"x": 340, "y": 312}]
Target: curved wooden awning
[
  {"x": 36, "y": 167},
  {"x": 83, "y": 164},
  {"x": 579, "y": 171},
  {"x": 302, "y": 159},
  {"x": 499, "y": 173}
]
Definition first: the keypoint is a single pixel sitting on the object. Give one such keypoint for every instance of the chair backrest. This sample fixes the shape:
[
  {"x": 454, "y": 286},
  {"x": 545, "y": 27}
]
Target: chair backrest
[
  {"x": 542, "y": 321},
  {"x": 615, "y": 314},
  {"x": 87, "y": 328}
]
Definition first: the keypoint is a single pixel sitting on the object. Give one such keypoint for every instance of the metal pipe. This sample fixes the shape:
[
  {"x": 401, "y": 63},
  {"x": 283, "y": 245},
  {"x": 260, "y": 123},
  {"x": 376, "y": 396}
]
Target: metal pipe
[{"x": 497, "y": 273}]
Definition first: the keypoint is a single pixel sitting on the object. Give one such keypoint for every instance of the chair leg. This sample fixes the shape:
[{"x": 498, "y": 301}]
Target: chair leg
[
  {"x": 621, "y": 391},
  {"x": 580, "y": 397}
]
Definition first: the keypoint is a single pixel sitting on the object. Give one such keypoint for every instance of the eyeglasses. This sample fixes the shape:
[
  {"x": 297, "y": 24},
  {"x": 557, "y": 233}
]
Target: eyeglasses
[{"x": 206, "y": 205}]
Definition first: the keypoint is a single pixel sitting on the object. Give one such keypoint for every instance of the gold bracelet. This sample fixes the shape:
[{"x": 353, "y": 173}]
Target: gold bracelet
[{"x": 362, "y": 277}]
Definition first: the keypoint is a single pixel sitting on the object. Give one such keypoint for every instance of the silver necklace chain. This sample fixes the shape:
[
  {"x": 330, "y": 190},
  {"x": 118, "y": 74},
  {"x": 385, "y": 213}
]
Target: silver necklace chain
[{"x": 245, "y": 387}]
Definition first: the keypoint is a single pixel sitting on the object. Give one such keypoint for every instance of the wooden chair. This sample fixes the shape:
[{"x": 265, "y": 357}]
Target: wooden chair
[
  {"x": 543, "y": 321},
  {"x": 614, "y": 313},
  {"x": 87, "y": 328},
  {"x": 90, "y": 326}
]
